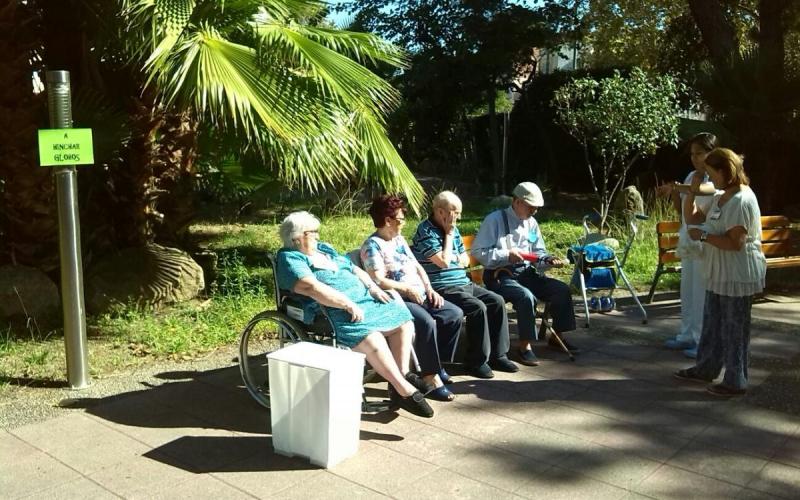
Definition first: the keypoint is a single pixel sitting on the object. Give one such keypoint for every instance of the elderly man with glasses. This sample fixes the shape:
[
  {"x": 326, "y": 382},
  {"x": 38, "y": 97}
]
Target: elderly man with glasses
[{"x": 510, "y": 246}]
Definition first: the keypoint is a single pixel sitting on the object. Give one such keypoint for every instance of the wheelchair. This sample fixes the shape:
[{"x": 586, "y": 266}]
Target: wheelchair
[{"x": 269, "y": 331}]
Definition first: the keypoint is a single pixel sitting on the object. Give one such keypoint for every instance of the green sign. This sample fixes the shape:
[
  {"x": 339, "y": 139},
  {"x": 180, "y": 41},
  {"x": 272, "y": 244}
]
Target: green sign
[{"x": 65, "y": 146}]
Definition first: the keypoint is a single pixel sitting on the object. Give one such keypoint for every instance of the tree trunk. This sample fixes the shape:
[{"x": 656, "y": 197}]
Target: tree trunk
[
  {"x": 719, "y": 35},
  {"x": 28, "y": 213},
  {"x": 494, "y": 143}
]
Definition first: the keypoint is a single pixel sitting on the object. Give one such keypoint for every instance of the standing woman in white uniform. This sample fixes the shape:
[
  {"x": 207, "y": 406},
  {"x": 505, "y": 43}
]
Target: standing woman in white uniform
[
  {"x": 693, "y": 286},
  {"x": 735, "y": 269}
]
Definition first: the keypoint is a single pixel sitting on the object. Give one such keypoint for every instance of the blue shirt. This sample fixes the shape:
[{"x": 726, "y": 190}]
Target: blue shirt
[
  {"x": 428, "y": 241},
  {"x": 492, "y": 243}
]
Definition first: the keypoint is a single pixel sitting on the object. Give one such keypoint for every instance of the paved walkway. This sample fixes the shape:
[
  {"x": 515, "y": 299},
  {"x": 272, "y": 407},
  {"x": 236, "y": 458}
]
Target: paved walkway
[{"x": 611, "y": 425}]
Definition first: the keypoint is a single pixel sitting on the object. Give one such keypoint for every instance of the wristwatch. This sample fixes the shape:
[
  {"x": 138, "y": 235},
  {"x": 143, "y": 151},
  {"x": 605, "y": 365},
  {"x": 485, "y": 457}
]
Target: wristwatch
[{"x": 704, "y": 236}]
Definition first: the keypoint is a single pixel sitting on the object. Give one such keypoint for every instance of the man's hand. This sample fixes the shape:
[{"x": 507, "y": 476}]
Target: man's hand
[
  {"x": 435, "y": 299},
  {"x": 554, "y": 262},
  {"x": 356, "y": 313},
  {"x": 514, "y": 256}
]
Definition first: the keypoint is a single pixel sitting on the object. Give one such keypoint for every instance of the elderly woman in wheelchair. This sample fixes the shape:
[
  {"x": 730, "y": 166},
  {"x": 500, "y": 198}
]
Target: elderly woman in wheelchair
[{"x": 364, "y": 318}]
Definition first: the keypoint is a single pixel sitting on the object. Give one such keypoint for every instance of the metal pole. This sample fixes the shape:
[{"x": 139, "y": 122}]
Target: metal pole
[{"x": 69, "y": 239}]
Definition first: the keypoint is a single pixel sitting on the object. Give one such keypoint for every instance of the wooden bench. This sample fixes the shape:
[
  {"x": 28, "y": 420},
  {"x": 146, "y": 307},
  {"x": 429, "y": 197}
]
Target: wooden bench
[{"x": 779, "y": 241}]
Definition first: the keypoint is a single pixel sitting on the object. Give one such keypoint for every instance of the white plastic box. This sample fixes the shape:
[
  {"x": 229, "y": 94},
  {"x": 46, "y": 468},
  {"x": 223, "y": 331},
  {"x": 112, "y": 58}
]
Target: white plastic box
[{"x": 315, "y": 402}]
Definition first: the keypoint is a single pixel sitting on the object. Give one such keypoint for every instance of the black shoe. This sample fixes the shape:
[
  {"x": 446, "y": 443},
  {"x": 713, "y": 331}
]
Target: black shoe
[
  {"x": 725, "y": 391},
  {"x": 482, "y": 371},
  {"x": 690, "y": 376},
  {"x": 504, "y": 365},
  {"x": 419, "y": 383},
  {"x": 527, "y": 358},
  {"x": 416, "y": 404},
  {"x": 553, "y": 343}
]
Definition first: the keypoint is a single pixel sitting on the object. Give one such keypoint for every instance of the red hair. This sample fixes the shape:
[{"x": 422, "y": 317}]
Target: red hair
[{"x": 386, "y": 205}]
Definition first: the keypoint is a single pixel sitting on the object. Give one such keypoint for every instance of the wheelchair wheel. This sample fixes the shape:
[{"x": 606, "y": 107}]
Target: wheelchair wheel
[{"x": 266, "y": 332}]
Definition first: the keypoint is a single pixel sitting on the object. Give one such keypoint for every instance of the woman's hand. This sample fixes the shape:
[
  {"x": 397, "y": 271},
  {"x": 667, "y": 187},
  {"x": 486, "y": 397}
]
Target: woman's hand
[
  {"x": 696, "y": 181},
  {"x": 379, "y": 294},
  {"x": 411, "y": 293},
  {"x": 695, "y": 233},
  {"x": 356, "y": 313},
  {"x": 665, "y": 190}
]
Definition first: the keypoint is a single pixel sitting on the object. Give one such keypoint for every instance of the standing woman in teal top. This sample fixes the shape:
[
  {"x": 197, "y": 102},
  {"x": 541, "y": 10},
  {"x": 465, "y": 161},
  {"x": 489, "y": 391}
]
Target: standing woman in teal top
[{"x": 364, "y": 317}]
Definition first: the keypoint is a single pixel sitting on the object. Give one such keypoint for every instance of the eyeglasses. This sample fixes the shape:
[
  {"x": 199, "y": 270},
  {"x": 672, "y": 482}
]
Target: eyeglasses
[
  {"x": 311, "y": 231},
  {"x": 398, "y": 219}
]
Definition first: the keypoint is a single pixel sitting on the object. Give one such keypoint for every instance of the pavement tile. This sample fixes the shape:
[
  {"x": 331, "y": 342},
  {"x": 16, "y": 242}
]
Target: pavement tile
[
  {"x": 83, "y": 443},
  {"x": 139, "y": 477},
  {"x": 464, "y": 420},
  {"x": 78, "y": 489},
  {"x": 779, "y": 480},
  {"x": 789, "y": 452},
  {"x": 539, "y": 444},
  {"x": 161, "y": 428},
  {"x": 743, "y": 439},
  {"x": 381, "y": 469},
  {"x": 328, "y": 486},
  {"x": 674, "y": 483},
  {"x": 496, "y": 467},
  {"x": 718, "y": 463},
  {"x": 748, "y": 494},
  {"x": 559, "y": 483},
  {"x": 25, "y": 470},
  {"x": 643, "y": 441},
  {"x": 204, "y": 453},
  {"x": 444, "y": 484},
  {"x": 621, "y": 469},
  {"x": 623, "y": 408},
  {"x": 432, "y": 445},
  {"x": 658, "y": 419},
  {"x": 199, "y": 486},
  {"x": 268, "y": 473}
]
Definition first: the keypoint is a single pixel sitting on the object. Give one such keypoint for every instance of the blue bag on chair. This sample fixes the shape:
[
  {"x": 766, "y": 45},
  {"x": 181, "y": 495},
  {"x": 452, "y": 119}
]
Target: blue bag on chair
[{"x": 595, "y": 277}]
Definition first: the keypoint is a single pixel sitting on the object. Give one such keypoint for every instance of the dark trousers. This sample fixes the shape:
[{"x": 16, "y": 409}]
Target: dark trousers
[
  {"x": 725, "y": 339},
  {"x": 523, "y": 289},
  {"x": 436, "y": 333},
  {"x": 487, "y": 322}
]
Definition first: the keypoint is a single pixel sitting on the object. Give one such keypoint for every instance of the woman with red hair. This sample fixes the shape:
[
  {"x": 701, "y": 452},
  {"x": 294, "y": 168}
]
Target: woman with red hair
[{"x": 388, "y": 259}]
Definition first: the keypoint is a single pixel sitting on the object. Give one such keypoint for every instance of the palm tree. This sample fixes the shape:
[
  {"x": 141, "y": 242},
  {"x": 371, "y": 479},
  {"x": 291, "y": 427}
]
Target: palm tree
[
  {"x": 302, "y": 95},
  {"x": 28, "y": 223}
]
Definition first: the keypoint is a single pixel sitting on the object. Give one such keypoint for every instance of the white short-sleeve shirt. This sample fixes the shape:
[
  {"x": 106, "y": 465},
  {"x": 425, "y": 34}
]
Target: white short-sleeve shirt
[
  {"x": 740, "y": 273},
  {"x": 688, "y": 248}
]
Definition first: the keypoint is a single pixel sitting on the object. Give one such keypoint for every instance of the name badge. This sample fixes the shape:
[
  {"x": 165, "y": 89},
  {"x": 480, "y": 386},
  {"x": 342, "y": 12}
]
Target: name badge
[{"x": 715, "y": 214}]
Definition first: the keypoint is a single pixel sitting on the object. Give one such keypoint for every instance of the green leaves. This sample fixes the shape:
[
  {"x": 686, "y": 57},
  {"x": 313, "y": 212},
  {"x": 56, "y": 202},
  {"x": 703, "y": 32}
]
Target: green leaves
[
  {"x": 298, "y": 94},
  {"x": 617, "y": 120}
]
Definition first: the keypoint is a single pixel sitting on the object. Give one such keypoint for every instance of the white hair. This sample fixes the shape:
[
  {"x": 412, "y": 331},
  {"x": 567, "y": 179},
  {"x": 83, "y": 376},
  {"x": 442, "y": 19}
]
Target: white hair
[
  {"x": 445, "y": 199},
  {"x": 294, "y": 225}
]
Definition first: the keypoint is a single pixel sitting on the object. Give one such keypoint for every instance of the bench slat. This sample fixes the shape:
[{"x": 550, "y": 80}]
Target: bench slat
[
  {"x": 475, "y": 268},
  {"x": 667, "y": 242},
  {"x": 773, "y": 221},
  {"x": 781, "y": 234},
  {"x": 667, "y": 227},
  {"x": 781, "y": 262},
  {"x": 668, "y": 257},
  {"x": 779, "y": 249}
]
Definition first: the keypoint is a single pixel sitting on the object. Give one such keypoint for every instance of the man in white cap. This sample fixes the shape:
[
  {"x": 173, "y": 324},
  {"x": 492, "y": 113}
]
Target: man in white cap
[{"x": 509, "y": 244}]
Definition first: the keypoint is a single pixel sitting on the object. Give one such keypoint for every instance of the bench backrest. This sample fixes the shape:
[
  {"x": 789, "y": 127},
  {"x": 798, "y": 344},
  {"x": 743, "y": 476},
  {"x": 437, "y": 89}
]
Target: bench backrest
[
  {"x": 475, "y": 268},
  {"x": 778, "y": 238},
  {"x": 667, "y": 233}
]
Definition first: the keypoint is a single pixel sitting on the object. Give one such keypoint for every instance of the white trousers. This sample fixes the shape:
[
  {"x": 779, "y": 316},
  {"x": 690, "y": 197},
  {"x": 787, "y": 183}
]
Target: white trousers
[{"x": 693, "y": 297}]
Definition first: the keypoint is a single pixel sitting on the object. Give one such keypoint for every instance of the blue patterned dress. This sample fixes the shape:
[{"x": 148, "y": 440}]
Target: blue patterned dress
[{"x": 294, "y": 265}]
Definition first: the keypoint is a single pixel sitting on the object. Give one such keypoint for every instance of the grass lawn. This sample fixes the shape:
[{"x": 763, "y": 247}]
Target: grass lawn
[{"x": 131, "y": 335}]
